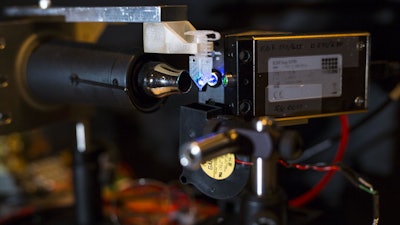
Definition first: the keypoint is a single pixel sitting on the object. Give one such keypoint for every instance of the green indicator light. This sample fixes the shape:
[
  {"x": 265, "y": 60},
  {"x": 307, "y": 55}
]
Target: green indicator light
[{"x": 224, "y": 81}]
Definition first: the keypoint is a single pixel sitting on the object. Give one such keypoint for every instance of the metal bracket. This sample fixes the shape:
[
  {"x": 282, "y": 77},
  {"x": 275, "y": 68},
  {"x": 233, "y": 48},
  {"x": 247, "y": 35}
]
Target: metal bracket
[{"x": 121, "y": 14}]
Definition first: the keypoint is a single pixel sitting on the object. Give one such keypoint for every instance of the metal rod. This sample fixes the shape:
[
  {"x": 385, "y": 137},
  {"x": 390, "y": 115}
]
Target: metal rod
[
  {"x": 264, "y": 176},
  {"x": 87, "y": 190},
  {"x": 194, "y": 153}
]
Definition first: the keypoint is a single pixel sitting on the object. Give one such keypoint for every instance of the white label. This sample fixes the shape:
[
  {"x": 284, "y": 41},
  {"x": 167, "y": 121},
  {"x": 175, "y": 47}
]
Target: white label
[
  {"x": 220, "y": 167},
  {"x": 304, "y": 77}
]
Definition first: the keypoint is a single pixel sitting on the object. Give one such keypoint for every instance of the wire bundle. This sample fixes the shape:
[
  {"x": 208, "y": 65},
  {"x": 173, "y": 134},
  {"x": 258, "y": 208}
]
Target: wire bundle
[
  {"x": 350, "y": 174},
  {"x": 312, "y": 193},
  {"x": 336, "y": 165}
]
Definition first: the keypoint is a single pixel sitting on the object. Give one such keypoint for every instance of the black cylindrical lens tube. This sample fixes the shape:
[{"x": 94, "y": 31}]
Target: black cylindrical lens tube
[{"x": 60, "y": 72}]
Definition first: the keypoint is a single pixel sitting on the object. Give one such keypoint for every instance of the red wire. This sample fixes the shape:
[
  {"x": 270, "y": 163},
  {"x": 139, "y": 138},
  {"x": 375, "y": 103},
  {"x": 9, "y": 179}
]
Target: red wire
[
  {"x": 309, "y": 167},
  {"x": 312, "y": 193},
  {"x": 238, "y": 161}
]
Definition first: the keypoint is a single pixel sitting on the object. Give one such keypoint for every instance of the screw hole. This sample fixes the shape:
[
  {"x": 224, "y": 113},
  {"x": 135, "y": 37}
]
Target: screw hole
[{"x": 183, "y": 180}]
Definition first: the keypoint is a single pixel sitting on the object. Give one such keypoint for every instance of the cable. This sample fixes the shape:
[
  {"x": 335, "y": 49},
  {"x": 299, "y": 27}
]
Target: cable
[
  {"x": 241, "y": 162},
  {"x": 318, "y": 167},
  {"x": 394, "y": 95},
  {"x": 351, "y": 175},
  {"x": 312, "y": 193},
  {"x": 362, "y": 184},
  {"x": 383, "y": 69},
  {"x": 329, "y": 142}
]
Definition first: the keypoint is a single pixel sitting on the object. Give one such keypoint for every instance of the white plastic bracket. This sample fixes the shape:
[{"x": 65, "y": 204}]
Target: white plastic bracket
[
  {"x": 180, "y": 37},
  {"x": 168, "y": 38}
]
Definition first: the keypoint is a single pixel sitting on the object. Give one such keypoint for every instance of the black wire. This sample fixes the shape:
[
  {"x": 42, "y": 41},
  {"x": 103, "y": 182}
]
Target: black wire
[
  {"x": 376, "y": 212},
  {"x": 349, "y": 174},
  {"x": 369, "y": 116},
  {"x": 378, "y": 69},
  {"x": 329, "y": 142},
  {"x": 360, "y": 183}
]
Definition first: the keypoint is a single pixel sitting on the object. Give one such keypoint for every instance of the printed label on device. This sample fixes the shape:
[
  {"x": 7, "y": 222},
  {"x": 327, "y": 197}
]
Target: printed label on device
[
  {"x": 220, "y": 167},
  {"x": 304, "y": 77}
]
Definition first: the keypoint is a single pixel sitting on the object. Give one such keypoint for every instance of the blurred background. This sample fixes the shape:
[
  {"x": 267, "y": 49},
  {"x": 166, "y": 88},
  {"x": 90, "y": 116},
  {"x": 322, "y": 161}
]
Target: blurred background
[{"x": 146, "y": 145}]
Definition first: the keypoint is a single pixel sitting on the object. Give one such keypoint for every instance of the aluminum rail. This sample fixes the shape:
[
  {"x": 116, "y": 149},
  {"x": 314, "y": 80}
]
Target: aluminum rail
[{"x": 122, "y": 14}]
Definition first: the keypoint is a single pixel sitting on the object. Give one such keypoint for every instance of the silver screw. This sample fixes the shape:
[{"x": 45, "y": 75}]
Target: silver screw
[
  {"x": 360, "y": 46},
  {"x": 359, "y": 101}
]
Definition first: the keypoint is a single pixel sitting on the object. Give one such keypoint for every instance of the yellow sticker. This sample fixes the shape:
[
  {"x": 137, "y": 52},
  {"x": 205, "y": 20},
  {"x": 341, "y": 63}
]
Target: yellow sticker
[{"x": 221, "y": 167}]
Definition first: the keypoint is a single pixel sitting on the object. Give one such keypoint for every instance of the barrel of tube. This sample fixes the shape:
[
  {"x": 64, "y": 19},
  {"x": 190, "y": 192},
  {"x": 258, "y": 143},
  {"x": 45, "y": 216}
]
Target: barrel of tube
[{"x": 61, "y": 72}]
